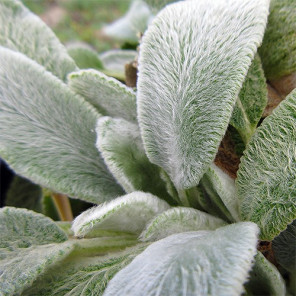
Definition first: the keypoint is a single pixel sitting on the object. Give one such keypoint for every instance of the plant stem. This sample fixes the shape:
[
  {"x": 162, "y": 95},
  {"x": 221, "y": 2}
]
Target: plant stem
[{"x": 63, "y": 206}]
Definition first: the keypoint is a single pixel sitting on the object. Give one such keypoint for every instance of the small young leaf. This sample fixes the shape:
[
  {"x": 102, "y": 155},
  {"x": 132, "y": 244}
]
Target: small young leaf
[
  {"x": 120, "y": 144},
  {"x": 178, "y": 220},
  {"x": 108, "y": 95},
  {"x": 190, "y": 75},
  {"x": 47, "y": 134},
  {"x": 251, "y": 101},
  {"x": 23, "y": 31},
  {"x": 266, "y": 183},
  {"x": 284, "y": 248},
  {"x": 191, "y": 263},
  {"x": 129, "y": 213},
  {"x": 82, "y": 276},
  {"x": 278, "y": 50},
  {"x": 265, "y": 279},
  {"x": 115, "y": 60},
  {"x": 84, "y": 56},
  {"x": 224, "y": 186},
  {"x": 135, "y": 21},
  {"x": 30, "y": 243},
  {"x": 23, "y": 193}
]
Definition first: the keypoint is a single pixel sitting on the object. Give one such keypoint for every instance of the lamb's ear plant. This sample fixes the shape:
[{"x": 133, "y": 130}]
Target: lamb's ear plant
[{"x": 173, "y": 214}]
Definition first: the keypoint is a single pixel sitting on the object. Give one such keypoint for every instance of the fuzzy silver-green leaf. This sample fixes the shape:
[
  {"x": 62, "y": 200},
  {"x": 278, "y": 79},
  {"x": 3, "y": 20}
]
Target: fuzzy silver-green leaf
[
  {"x": 189, "y": 78},
  {"x": 47, "y": 133},
  {"x": 191, "y": 263},
  {"x": 266, "y": 179},
  {"x": 23, "y": 31}
]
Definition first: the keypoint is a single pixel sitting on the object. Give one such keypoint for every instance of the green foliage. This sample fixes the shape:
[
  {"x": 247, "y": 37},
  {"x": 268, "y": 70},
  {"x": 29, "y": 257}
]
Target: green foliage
[{"x": 160, "y": 161}]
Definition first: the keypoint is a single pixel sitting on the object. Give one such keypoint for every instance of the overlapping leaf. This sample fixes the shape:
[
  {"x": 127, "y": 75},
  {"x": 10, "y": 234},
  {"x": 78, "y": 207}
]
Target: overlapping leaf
[
  {"x": 30, "y": 243},
  {"x": 108, "y": 95},
  {"x": 177, "y": 220},
  {"x": 224, "y": 187},
  {"x": 284, "y": 248},
  {"x": 47, "y": 133},
  {"x": 265, "y": 279},
  {"x": 120, "y": 144},
  {"x": 278, "y": 50},
  {"x": 191, "y": 263},
  {"x": 190, "y": 75},
  {"x": 129, "y": 213},
  {"x": 84, "y": 56},
  {"x": 266, "y": 182},
  {"x": 251, "y": 101},
  {"x": 134, "y": 22},
  {"x": 82, "y": 277},
  {"x": 114, "y": 60},
  {"x": 23, "y": 31}
]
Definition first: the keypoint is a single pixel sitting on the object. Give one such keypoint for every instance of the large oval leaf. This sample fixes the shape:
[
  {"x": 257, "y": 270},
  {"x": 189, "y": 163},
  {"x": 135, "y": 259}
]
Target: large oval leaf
[
  {"x": 23, "y": 31},
  {"x": 193, "y": 60},
  {"x": 278, "y": 50},
  {"x": 266, "y": 181},
  {"x": 128, "y": 213},
  {"x": 191, "y": 263},
  {"x": 47, "y": 134}
]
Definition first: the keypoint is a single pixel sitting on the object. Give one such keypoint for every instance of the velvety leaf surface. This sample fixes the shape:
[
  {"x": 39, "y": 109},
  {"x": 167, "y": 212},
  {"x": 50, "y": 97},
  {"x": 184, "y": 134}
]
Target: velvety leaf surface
[
  {"x": 120, "y": 144},
  {"x": 265, "y": 279},
  {"x": 107, "y": 94},
  {"x": 23, "y": 31},
  {"x": 251, "y": 101},
  {"x": 189, "y": 78},
  {"x": 285, "y": 249},
  {"x": 87, "y": 276},
  {"x": 224, "y": 186},
  {"x": 29, "y": 244},
  {"x": 278, "y": 51},
  {"x": 23, "y": 193},
  {"x": 191, "y": 263},
  {"x": 47, "y": 133},
  {"x": 177, "y": 220},
  {"x": 116, "y": 59},
  {"x": 266, "y": 182},
  {"x": 84, "y": 56},
  {"x": 129, "y": 213},
  {"x": 134, "y": 22}
]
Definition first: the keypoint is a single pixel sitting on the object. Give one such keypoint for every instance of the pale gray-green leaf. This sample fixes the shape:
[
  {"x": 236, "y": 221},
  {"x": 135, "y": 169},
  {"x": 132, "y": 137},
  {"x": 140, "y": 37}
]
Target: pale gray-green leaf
[
  {"x": 190, "y": 75},
  {"x": 23, "y": 193},
  {"x": 251, "y": 101},
  {"x": 192, "y": 263},
  {"x": 177, "y": 220},
  {"x": 158, "y": 4},
  {"x": 134, "y": 22},
  {"x": 120, "y": 144},
  {"x": 116, "y": 59},
  {"x": 47, "y": 133},
  {"x": 265, "y": 279},
  {"x": 82, "y": 276},
  {"x": 266, "y": 179},
  {"x": 278, "y": 50},
  {"x": 23, "y": 31},
  {"x": 129, "y": 213},
  {"x": 30, "y": 243},
  {"x": 107, "y": 94},
  {"x": 284, "y": 247},
  {"x": 84, "y": 56},
  {"x": 224, "y": 186}
]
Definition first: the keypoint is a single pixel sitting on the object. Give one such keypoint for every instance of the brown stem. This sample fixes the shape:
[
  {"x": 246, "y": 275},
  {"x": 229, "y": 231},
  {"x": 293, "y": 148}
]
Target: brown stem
[{"x": 63, "y": 206}]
